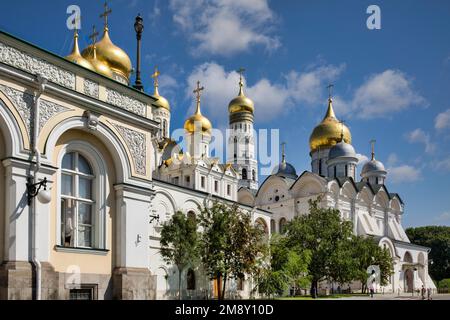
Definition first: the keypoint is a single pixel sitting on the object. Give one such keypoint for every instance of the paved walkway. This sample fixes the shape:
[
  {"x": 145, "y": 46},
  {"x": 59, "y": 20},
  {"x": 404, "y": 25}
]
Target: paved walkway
[{"x": 396, "y": 297}]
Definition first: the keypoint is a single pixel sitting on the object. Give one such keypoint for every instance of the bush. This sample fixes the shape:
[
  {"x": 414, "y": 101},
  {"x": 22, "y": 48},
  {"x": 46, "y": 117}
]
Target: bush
[{"x": 444, "y": 283}]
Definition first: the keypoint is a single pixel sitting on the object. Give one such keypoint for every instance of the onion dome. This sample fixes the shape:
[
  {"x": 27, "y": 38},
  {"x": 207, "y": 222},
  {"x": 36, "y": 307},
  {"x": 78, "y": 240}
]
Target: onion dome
[
  {"x": 285, "y": 169},
  {"x": 76, "y": 57},
  {"x": 100, "y": 66},
  {"x": 342, "y": 149},
  {"x": 197, "y": 121},
  {"x": 328, "y": 132},
  {"x": 372, "y": 166},
  {"x": 161, "y": 102},
  {"x": 241, "y": 103},
  {"x": 374, "y": 171},
  {"x": 107, "y": 52}
]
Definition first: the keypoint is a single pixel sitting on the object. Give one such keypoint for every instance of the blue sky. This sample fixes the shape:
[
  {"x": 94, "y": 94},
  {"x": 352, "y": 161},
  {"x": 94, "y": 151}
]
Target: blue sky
[{"x": 391, "y": 85}]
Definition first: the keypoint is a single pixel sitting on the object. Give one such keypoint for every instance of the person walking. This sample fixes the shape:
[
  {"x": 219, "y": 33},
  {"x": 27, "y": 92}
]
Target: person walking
[
  {"x": 429, "y": 293},
  {"x": 372, "y": 288},
  {"x": 422, "y": 291}
]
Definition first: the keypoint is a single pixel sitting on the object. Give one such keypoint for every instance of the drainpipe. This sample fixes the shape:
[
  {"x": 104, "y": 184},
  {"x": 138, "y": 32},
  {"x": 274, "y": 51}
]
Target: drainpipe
[{"x": 36, "y": 153}]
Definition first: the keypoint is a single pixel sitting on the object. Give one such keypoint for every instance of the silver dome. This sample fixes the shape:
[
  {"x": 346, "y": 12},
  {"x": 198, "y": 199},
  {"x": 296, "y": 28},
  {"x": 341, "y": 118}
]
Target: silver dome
[
  {"x": 372, "y": 165},
  {"x": 286, "y": 170},
  {"x": 342, "y": 149}
]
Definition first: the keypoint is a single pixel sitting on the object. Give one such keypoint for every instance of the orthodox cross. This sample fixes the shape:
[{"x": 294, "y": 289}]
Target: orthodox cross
[
  {"x": 241, "y": 72},
  {"x": 330, "y": 90},
  {"x": 198, "y": 91},
  {"x": 155, "y": 76},
  {"x": 372, "y": 142},
  {"x": 93, "y": 36},
  {"x": 75, "y": 21},
  {"x": 106, "y": 13}
]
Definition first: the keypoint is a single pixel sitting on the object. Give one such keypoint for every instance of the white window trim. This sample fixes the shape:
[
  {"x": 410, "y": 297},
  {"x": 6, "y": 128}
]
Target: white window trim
[{"x": 100, "y": 189}]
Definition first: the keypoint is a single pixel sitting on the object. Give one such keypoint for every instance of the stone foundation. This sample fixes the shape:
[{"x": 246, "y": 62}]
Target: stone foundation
[
  {"x": 16, "y": 280},
  {"x": 134, "y": 284}
]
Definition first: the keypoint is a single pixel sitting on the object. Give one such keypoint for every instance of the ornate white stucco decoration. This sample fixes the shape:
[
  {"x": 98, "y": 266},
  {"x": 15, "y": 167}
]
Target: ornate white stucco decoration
[
  {"x": 23, "y": 103},
  {"x": 33, "y": 65},
  {"x": 48, "y": 110},
  {"x": 125, "y": 102},
  {"x": 120, "y": 79},
  {"x": 91, "y": 88},
  {"x": 137, "y": 145}
]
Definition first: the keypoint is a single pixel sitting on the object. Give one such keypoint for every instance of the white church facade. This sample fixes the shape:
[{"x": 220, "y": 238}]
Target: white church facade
[{"x": 89, "y": 174}]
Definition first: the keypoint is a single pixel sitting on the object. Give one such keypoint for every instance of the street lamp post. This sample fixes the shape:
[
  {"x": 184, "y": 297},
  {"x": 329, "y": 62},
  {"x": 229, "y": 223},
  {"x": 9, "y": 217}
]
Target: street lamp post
[{"x": 139, "y": 28}]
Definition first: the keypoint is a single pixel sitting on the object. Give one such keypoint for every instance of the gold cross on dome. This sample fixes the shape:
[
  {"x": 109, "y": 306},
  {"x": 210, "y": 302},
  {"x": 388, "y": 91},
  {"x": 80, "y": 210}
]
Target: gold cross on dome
[
  {"x": 76, "y": 20},
  {"x": 94, "y": 35},
  {"x": 283, "y": 152},
  {"x": 198, "y": 91},
  {"x": 106, "y": 13},
  {"x": 155, "y": 76},
  {"x": 330, "y": 89}
]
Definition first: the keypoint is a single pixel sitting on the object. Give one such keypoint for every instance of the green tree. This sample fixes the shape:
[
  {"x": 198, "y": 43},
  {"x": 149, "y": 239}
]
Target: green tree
[
  {"x": 230, "y": 243},
  {"x": 438, "y": 239},
  {"x": 365, "y": 252},
  {"x": 326, "y": 237},
  {"x": 179, "y": 243}
]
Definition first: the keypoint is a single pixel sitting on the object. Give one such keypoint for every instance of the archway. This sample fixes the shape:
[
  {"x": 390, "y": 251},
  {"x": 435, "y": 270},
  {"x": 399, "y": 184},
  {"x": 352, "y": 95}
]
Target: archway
[
  {"x": 2, "y": 196},
  {"x": 282, "y": 225},
  {"x": 409, "y": 280}
]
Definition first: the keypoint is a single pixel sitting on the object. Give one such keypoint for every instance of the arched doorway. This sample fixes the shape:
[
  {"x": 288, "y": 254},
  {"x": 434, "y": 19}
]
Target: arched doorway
[{"x": 409, "y": 280}]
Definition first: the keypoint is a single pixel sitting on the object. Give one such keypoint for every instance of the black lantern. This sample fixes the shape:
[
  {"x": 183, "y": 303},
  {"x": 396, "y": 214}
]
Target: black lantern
[{"x": 139, "y": 28}]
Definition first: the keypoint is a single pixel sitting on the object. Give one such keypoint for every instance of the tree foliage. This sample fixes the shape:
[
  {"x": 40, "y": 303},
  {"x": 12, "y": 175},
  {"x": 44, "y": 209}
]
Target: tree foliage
[
  {"x": 179, "y": 243},
  {"x": 438, "y": 239},
  {"x": 230, "y": 243}
]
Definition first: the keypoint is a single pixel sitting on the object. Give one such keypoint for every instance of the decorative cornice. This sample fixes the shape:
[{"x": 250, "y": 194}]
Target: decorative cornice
[
  {"x": 125, "y": 102},
  {"x": 21, "y": 60}
]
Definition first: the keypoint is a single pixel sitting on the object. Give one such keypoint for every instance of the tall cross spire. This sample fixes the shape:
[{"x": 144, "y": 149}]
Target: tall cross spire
[
  {"x": 283, "y": 152},
  {"x": 93, "y": 37},
  {"x": 330, "y": 90},
  {"x": 372, "y": 142},
  {"x": 198, "y": 93},
  {"x": 107, "y": 11},
  {"x": 155, "y": 76},
  {"x": 241, "y": 81}
]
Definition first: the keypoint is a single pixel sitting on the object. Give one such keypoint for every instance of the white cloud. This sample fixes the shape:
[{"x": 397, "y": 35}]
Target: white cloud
[
  {"x": 269, "y": 98},
  {"x": 442, "y": 165},
  {"x": 403, "y": 173},
  {"x": 444, "y": 217},
  {"x": 442, "y": 120},
  {"x": 362, "y": 159},
  {"x": 392, "y": 160},
  {"x": 420, "y": 136},
  {"x": 383, "y": 94},
  {"x": 225, "y": 27}
]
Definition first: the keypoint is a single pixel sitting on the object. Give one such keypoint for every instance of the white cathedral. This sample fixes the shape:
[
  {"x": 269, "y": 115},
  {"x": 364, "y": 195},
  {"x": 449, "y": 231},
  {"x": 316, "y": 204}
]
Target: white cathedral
[{"x": 89, "y": 174}]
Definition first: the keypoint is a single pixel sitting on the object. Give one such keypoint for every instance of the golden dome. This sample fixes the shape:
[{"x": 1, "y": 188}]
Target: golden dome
[
  {"x": 241, "y": 103},
  {"x": 329, "y": 132},
  {"x": 75, "y": 55},
  {"x": 113, "y": 56},
  {"x": 197, "y": 120},
  {"x": 100, "y": 66},
  {"x": 161, "y": 102}
]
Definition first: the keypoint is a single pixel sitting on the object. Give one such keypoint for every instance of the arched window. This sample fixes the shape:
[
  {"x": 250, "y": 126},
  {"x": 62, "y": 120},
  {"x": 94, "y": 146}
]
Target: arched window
[
  {"x": 240, "y": 282},
  {"x": 191, "y": 215},
  {"x": 272, "y": 226},
  {"x": 282, "y": 225},
  {"x": 244, "y": 174},
  {"x": 164, "y": 129},
  {"x": 254, "y": 175},
  {"x": 77, "y": 202},
  {"x": 190, "y": 277}
]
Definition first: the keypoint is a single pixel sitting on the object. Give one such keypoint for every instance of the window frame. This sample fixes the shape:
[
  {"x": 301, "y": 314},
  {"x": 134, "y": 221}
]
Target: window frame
[{"x": 99, "y": 190}]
